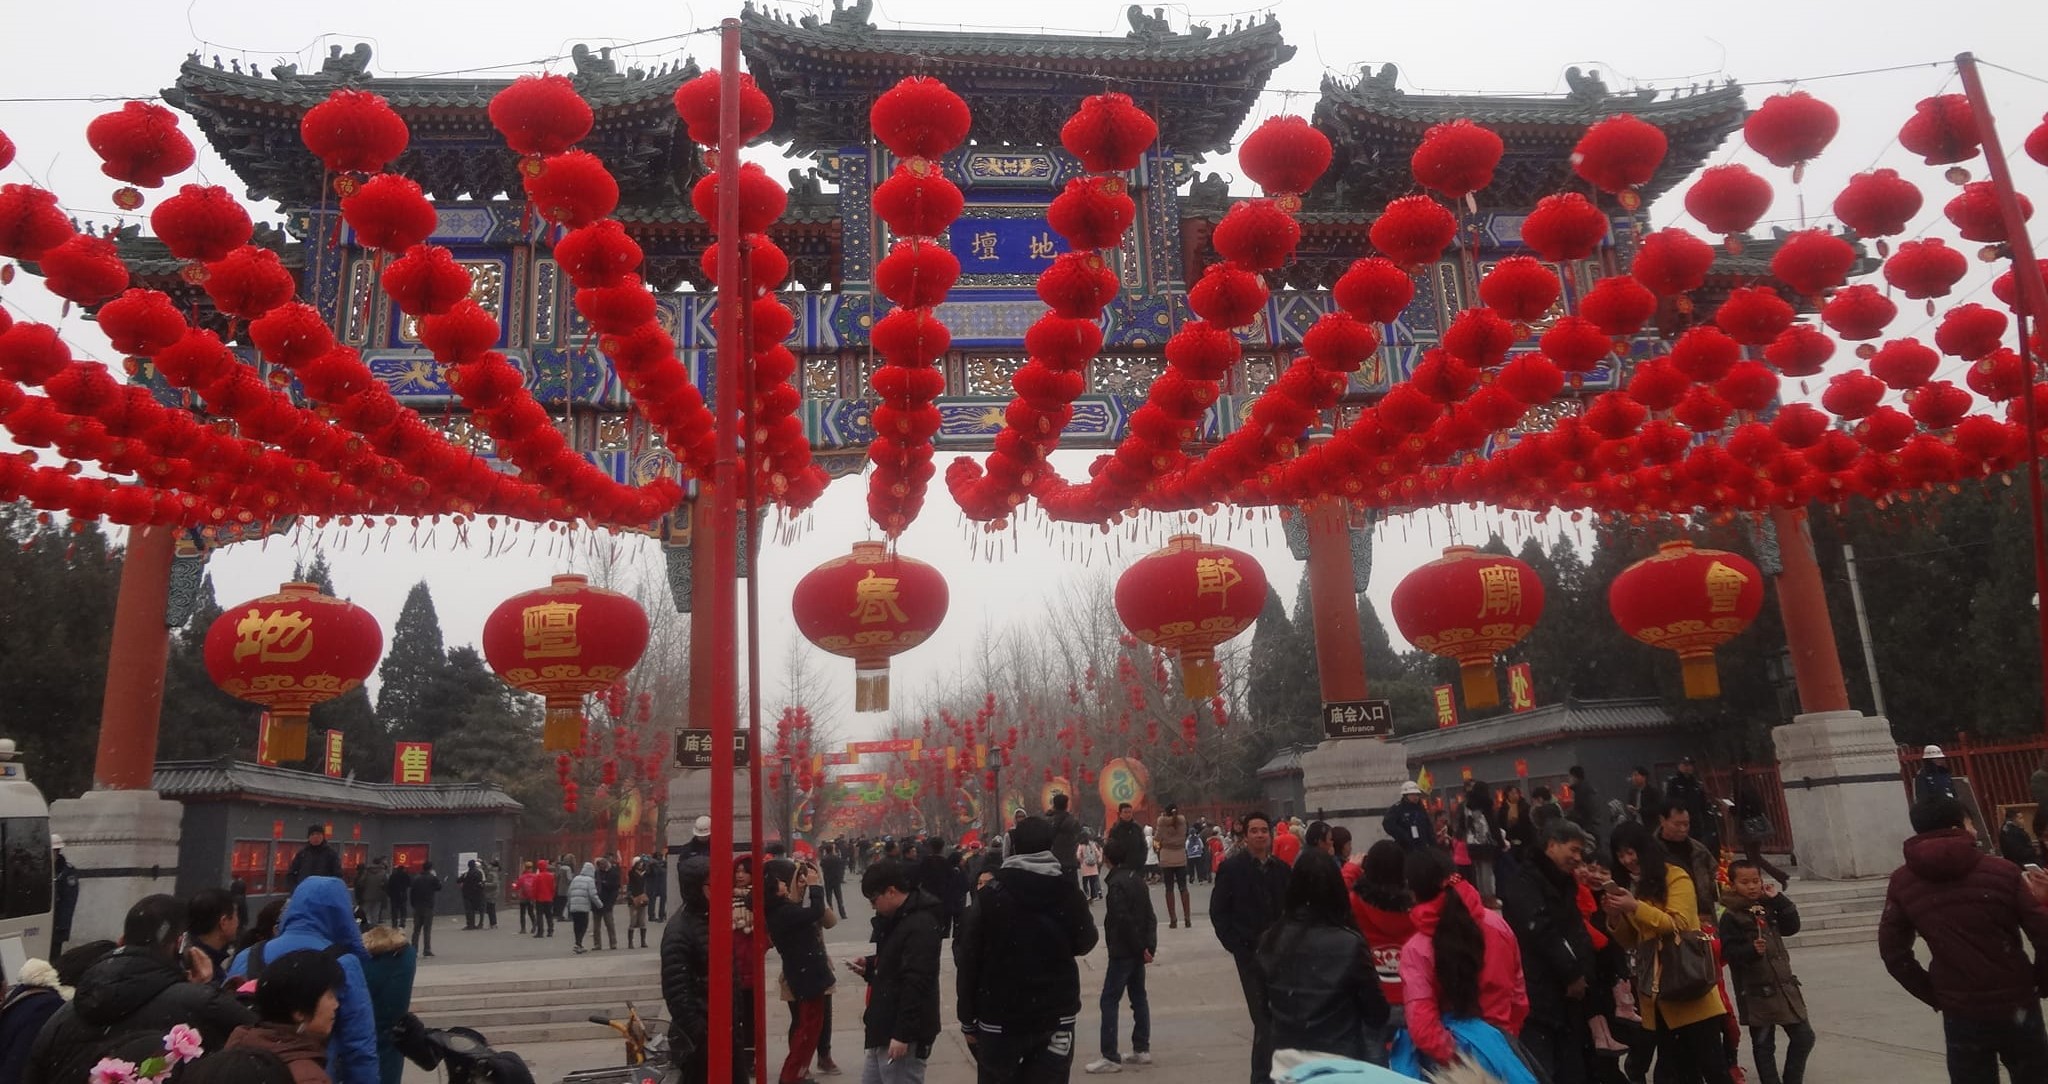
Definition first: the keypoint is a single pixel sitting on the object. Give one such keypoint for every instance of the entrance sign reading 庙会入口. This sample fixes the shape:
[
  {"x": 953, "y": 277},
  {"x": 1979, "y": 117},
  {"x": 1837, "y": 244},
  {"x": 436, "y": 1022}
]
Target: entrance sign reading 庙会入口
[
  {"x": 693, "y": 747},
  {"x": 1357, "y": 719}
]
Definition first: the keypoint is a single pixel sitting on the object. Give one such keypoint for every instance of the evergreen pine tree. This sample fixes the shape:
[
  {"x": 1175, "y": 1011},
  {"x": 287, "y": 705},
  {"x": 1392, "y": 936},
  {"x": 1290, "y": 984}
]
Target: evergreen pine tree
[
  {"x": 365, "y": 744},
  {"x": 200, "y": 721},
  {"x": 56, "y": 622},
  {"x": 414, "y": 663}
]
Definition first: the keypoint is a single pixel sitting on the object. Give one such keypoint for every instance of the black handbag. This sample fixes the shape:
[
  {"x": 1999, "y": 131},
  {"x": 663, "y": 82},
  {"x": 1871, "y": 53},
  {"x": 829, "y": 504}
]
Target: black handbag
[{"x": 1679, "y": 966}]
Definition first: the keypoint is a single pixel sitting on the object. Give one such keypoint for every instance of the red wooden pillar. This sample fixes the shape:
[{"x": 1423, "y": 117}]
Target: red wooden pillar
[
  {"x": 1809, "y": 631},
  {"x": 134, "y": 699},
  {"x": 1333, "y": 602}
]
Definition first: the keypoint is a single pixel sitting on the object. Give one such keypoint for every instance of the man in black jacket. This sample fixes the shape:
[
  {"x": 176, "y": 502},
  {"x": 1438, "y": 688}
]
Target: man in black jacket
[
  {"x": 607, "y": 899},
  {"x": 686, "y": 969},
  {"x": 902, "y": 1017},
  {"x": 796, "y": 906},
  {"x": 1686, "y": 791},
  {"x": 1251, "y": 886},
  {"x": 939, "y": 874},
  {"x": 1019, "y": 989},
  {"x": 1643, "y": 796},
  {"x": 1127, "y": 828},
  {"x": 315, "y": 859},
  {"x": 832, "y": 865},
  {"x": 1066, "y": 836},
  {"x": 1131, "y": 929},
  {"x": 127, "y": 1001},
  {"x": 1541, "y": 903},
  {"x": 1408, "y": 823}
]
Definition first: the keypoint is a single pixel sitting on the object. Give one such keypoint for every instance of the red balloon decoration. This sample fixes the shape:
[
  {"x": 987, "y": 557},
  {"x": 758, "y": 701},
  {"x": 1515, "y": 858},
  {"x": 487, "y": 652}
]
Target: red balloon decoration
[
  {"x": 1469, "y": 606},
  {"x": 563, "y": 642},
  {"x": 869, "y": 606},
  {"x": 1186, "y": 598},
  {"x": 1791, "y": 128},
  {"x": 1688, "y": 601},
  {"x": 289, "y": 652}
]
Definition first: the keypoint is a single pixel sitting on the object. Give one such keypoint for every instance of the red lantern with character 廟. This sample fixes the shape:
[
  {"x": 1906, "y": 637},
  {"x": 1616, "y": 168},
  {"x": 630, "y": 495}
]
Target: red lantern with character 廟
[{"x": 1469, "y": 606}]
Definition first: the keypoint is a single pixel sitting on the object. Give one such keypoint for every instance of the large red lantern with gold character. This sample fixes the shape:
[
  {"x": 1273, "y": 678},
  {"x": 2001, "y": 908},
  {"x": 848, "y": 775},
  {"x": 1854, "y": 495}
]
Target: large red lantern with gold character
[
  {"x": 290, "y": 651},
  {"x": 1187, "y": 598},
  {"x": 868, "y": 606},
  {"x": 1469, "y": 606},
  {"x": 562, "y": 642},
  {"x": 1690, "y": 601}
]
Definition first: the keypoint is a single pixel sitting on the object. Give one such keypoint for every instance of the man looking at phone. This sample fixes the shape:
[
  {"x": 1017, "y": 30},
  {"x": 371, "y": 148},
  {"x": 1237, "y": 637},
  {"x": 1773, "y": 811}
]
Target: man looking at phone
[{"x": 902, "y": 1017}]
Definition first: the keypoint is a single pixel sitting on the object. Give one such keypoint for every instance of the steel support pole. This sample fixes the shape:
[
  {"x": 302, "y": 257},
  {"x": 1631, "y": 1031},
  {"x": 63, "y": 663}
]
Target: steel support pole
[
  {"x": 2032, "y": 307},
  {"x": 718, "y": 548}
]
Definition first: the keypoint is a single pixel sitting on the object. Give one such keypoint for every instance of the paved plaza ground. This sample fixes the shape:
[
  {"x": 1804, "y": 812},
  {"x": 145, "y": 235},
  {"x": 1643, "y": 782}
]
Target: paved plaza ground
[{"x": 1869, "y": 1029}]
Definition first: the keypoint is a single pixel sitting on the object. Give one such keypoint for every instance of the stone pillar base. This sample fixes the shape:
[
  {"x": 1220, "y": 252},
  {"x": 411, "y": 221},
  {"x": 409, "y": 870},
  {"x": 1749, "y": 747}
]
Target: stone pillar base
[
  {"x": 125, "y": 845},
  {"x": 1353, "y": 782},
  {"x": 1848, "y": 808},
  {"x": 689, "y": 797}
]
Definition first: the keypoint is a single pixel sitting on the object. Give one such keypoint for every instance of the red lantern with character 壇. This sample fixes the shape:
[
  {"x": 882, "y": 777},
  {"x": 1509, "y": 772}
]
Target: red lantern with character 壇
[
  {"x": 290, "y": 651},
  {"x": 562, "y": 642}
]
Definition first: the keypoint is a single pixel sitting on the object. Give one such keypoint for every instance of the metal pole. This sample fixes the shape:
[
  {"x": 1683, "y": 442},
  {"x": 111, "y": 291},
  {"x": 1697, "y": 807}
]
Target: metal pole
[
  {"x": 755, "y": 774},
  {"x": 718, "y": 544},
  {"x": 2033, "y": 303},
  {"x": 1863, "y": 630}
]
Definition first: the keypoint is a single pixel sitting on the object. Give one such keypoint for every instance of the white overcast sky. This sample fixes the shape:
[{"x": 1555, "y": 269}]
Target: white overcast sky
[{"x": 124, "y": 48}]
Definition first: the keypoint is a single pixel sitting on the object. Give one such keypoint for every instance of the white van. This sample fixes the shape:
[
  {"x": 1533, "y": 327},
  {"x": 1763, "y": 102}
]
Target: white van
[{"x": 25, "y": 865}]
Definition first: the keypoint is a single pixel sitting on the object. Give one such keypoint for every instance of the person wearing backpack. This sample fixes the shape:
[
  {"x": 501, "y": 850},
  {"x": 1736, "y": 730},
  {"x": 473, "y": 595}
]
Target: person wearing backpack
[
  {"x": 1019, "y": 989},
  {"x": 320, "y": 917}
]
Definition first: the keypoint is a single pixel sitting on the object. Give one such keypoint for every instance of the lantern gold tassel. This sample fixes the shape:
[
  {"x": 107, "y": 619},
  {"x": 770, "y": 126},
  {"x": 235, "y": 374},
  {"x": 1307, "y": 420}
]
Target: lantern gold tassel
[
  {"x": 287, "y": 737},
  {"x": 871, "y": 687},
  {"x": 563, "y": 730},
  {"x": 1198, "y": 677},
  {"x": 1481, "y": 690},
  {"x": 1702, "y": 678}
]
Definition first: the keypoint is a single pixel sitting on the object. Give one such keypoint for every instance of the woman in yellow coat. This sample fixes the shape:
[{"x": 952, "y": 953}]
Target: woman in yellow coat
[{"x": 1689, "y": 1033}]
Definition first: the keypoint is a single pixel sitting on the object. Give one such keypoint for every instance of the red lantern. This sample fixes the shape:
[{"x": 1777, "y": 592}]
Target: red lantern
[
  {"x": 86, "y": 270},
  {"x": 1688, "y": 601},
  {"x": 1108, "y": 133},
  {"x": 1977, "y": 215},
  {"x": 1564, "y": 227},
  {"x": 540, "y": 114},
  {"x": 1878, "y": 203},
  {"x": 1813, "y": 262},
  {"x": 697, "y": 104},
  {"x": 1413, "y": 230},
  {"x": 1457, "y": 158},
  {"x": 1469, "y": 606},
  {"x": 919, "y": 117},
  {"x": 2037, "y": 144},
  {"x": 1754, "y": 315},
  {"x": 1188, "y": 597},
  {"x": 1942, "y": 130},
  {"x": 1728, "y": 199},
  {"x": 1373, "y": 289},
  {"x": 1925, "y": 269},
  {"x": 1520, "y": 288},
  {"x": 1858, "y": 312},
  {"x": 201, "y": 223},
  {"x": 1791, "y": 128},
  {"x": 574, "y": 189},
  {"x": 1967, "y": 331},
  {"x": 31, "y": 223},
  {"x": 1285, "y": 155},
  {"x": 1618, "y": 305},
  {"x": 1672, "y": 261},
  {"x": 868, "y": 606},
  {"x": 354, "y": 131},
  {"x": 1619, "y": 153},
  {"x": 562, "y": 642},
  {"x": 290, "y": 651},
  {"x": 139, "y": 143}
]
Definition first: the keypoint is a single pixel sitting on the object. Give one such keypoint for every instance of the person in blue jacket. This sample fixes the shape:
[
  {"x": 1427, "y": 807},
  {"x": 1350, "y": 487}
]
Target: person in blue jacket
[{"x": 321, "y": 916}]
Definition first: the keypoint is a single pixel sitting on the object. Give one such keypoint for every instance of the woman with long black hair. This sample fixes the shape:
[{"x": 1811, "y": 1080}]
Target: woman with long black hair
[
  {"x": 1321, "y": 989},
  {"x": 1462, "y": 964},
  {"x": 1658, "y": 899},
  {"x": 1479, "y": 830}
]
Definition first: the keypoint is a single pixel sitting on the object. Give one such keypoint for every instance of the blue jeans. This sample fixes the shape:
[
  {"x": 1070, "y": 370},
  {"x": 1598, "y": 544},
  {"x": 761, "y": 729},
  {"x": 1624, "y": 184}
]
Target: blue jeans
[{"x": 1125, "y": 973}]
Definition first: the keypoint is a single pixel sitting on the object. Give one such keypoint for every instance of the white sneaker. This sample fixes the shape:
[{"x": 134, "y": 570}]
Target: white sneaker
[
  {"x": 1142, "y": 1057},
  {"x": 1103, "y": 1065}
]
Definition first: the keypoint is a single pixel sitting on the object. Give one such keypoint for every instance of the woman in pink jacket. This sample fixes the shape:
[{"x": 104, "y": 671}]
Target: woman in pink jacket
[{"x": 1462, "y": 962}]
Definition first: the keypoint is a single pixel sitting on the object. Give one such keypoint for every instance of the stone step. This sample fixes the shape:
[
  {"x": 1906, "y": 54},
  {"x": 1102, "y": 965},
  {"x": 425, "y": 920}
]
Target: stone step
[
  {"x": 445, "y": 1007},
  {"x": 630, "y": 970},
  {"x": 495, "y": 1020},
  {"x": 1839, "y": 935}
]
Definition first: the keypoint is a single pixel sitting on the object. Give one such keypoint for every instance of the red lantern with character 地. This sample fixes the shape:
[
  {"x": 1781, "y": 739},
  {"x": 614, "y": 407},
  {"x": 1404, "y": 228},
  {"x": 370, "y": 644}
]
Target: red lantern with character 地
[{"x": 289, "y": 652}]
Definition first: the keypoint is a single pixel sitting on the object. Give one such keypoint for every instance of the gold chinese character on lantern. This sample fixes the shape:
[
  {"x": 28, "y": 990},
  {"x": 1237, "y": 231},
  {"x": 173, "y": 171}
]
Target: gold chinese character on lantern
[
  {"x": 875, "y": 598},
  {"x": 1041, "y": 246},
  {"x": 277, "y": 636},
  {"x": 1724, "y": 588},
  {"x": 1500, "y": 588},
  {"x": 984, "y": 246},
  {"x": 1216, "y": 576},
  {"x": 550, "y": 630}
]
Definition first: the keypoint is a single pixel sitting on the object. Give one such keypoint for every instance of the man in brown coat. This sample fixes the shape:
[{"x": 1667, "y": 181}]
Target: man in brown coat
[{"x": 1170, "y": 834}]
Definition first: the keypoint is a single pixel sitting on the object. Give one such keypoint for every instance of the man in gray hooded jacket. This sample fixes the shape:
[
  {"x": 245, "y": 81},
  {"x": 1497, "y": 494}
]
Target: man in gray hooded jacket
[{"x": 1019, "y": 988}]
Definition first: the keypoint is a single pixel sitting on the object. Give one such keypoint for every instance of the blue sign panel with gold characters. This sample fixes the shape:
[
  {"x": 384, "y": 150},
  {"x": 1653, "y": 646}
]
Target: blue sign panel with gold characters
[{"x": 1019, "y": 244}]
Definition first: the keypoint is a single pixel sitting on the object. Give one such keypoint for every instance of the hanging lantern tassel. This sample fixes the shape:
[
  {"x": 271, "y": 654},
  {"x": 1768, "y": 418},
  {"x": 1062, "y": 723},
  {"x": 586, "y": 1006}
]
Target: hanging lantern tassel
[
  {"x": 1702, "y": 677},
  {"x": 563, "y": 729},
  {"x": 287, "y": 741},
  {"x": 1199, "y": 678},
  {"x": 871, "y": 685},
  {"x": 1481, "y": 689}
]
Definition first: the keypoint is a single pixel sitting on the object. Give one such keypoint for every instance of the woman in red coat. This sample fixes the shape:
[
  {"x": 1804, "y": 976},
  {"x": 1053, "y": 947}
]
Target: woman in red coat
[{"x": 1380, "y": 902}]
